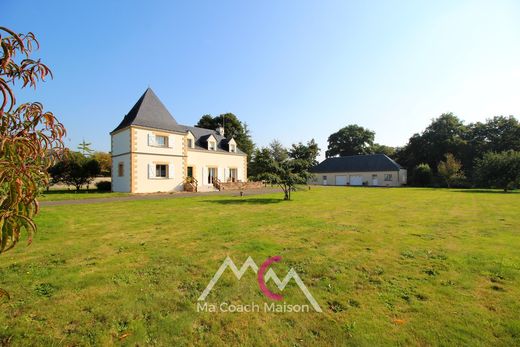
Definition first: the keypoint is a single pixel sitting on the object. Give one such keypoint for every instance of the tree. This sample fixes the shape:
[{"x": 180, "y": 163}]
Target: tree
[
  {"x": 75, "y": 170},
  {"x": 278, "y": 151},
  {"x": 497, "y": 134},
  {"x": 260, "y": 163},
  {"x": 499, "y": 170},
  {"x": 422, "y": 175},
  {"x": 105, "y": 162},
  {"x": 307, "y": 153},
  {"x": 84, "y": 148},
  {"x": 30, "y": 138},
  {"x": 233, "y": 128},
  {"x": 382, "y": 149},
  {"x": 445, "y": 134},
  {"x": 350, "y": 140},
  {"x": 450, "y": 169}
]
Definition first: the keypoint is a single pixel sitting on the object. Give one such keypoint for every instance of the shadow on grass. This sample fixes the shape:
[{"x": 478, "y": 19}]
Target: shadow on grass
[
  {"x": 239, "y": 201},
  {"x": 486, "y": 191}
]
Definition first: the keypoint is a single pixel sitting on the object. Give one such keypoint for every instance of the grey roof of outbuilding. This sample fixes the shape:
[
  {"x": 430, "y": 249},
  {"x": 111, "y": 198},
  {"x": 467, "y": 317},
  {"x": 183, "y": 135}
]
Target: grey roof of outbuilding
[
  {"x": 357, "y": 163},
  {"x": 150, "y": 112}
]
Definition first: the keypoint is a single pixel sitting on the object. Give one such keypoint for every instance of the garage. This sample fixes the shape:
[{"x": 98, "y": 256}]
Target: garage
[
  {"x": 356, "y": 180},
  {"x": 341, "y": 180}
]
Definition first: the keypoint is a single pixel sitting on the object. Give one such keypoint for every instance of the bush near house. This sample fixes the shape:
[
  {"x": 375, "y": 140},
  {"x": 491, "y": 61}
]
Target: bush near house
[{"x": 104, "y": 186}]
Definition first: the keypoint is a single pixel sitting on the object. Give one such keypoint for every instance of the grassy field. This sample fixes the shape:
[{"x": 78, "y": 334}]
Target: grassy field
[
  {"x": 64, "y": 194},
  {"x": 387, "y": 266}
]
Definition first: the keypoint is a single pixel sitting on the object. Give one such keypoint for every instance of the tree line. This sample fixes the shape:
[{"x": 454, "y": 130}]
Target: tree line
[{"x": 447, "y": 153}]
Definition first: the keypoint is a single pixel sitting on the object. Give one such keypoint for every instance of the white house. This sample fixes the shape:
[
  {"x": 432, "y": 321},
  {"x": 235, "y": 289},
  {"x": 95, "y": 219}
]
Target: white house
[{"x": 151, "y": 152}]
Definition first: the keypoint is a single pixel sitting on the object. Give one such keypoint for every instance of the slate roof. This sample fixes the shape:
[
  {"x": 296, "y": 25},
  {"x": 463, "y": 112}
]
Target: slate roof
[
  {"x": 357, "y": 163},
  {"x": 150, "y": 112}
]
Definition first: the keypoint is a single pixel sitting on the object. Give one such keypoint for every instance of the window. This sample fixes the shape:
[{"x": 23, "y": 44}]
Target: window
[
  {"x": 212, "y": 173},
  {"x": 212, "y": 146},
  {"x": 388, "y": 177},
  {"x": 233, "y": 174},
  {"x": 161, "y": 170},
  {"x": 190, "y": 143},
  {"x": 324, "y": 178},
  {"x": 121, "y": 170},
  {"x": 161, "y": 141},
  {"x": 232, "y": 148}
]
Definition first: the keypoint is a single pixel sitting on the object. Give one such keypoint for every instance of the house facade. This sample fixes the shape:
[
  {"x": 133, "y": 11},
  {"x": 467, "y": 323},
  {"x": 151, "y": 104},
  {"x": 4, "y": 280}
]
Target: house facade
[
  {"x": 151, "y": 152},
  {"x": 359, "y": 170}
]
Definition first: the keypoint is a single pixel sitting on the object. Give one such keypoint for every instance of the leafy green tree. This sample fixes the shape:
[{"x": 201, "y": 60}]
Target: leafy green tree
[
  {"x": 497, "y": 134},
  {"x": 308, "y": 153},
  {"x": 446, "y": 134},
  {"x": 260, "y": 163},
  {"x": 30, "y": 138},
  {"x": 75, "y": 170},
  {"x": 350, "y": 140},
  {"x": 233, "y": 128},
  {"x": 450, "y": 169},
  {"x": 382, "y": 149},
  {"x": 422, "y": 175},
  {"x": 499, "y": 170}
]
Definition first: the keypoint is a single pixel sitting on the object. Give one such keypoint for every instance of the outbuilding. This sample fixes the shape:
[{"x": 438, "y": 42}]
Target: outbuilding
[{"x": 359, "y": 170}]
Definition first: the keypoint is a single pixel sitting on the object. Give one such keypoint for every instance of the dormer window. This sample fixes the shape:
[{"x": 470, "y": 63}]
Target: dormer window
[
  {"x": 212, "y": 145},
  {"x": 233, "y": 148}
]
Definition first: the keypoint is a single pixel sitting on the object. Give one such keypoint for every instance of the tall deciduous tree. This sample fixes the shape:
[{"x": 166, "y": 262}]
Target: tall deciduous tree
[
  {"x": 30, "y": 138},
  {"x": 450, "y": 169},
  {"x": 499, "y": 170},
  {"x": 233, "y": 128},
  {"x": 307, "y": 153},
  {"x": 350, "y": 140}
]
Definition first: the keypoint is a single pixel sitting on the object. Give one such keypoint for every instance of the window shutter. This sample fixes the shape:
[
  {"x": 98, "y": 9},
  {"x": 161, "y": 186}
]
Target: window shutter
[
  {"x": 170, "y": 141},
  {"x": 151, "y": 140},
  {"x": 151, "y": 171},
  {"x": 170, "y": 171}
]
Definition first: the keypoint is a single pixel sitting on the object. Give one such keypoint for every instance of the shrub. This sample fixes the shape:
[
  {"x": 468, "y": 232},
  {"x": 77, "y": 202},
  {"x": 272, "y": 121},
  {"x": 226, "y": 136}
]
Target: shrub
[
  {"x": 422, "y": 175},
  {"x": 104, "y": 186}
]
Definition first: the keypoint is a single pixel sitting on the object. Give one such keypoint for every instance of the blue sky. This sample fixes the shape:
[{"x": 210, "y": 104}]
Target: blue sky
[{"x": 293, "y": 70}]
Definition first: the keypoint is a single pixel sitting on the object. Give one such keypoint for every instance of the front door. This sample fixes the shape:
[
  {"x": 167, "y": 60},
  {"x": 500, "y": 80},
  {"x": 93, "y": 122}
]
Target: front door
[
  {"x": 212, "y": 173},
  {"x": 375, "y": 182}
]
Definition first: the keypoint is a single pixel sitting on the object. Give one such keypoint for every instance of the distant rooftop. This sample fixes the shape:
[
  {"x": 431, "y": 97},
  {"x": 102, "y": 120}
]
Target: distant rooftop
[{"x": 357, "y": 163}]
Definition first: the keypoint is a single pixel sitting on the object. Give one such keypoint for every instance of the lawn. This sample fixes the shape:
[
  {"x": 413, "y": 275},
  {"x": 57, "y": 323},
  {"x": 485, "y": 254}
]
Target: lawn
[
  {"x": 65, "y": 194},
  {"x": 387, "y": 266}
]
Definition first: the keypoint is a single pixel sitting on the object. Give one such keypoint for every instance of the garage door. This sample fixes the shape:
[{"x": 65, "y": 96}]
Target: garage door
[
  {"x": 341, "y": 180},
  {"x": 356, "y": 180}
]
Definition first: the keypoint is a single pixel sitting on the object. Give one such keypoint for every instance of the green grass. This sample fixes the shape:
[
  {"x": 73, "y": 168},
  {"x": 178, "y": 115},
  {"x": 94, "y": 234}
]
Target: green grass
[
  {"x": 388, "y": 267},
  {"x": 64, "y": 194}
]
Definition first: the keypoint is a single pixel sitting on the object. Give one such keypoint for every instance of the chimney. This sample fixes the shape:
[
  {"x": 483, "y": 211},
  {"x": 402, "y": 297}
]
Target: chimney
[{"x": 220, "y": 131}]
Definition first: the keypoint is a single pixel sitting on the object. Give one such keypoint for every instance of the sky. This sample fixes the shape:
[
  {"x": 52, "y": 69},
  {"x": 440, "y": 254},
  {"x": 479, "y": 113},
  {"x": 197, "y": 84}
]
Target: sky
[{"x": 292, "y": 70}]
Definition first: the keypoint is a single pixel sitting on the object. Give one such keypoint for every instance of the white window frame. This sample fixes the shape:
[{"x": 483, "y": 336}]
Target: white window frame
[{"x": 388, "y": 177}]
